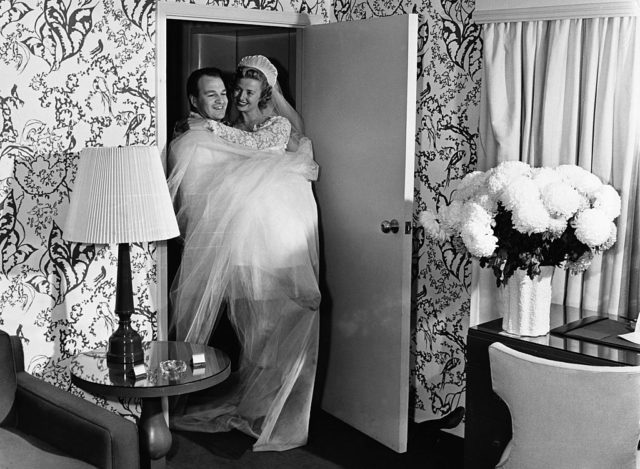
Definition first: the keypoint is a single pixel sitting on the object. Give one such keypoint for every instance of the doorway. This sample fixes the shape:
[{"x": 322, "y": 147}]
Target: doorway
[
  {"x": 370, "y": 154},
  {"x": 199, "y": 44}
]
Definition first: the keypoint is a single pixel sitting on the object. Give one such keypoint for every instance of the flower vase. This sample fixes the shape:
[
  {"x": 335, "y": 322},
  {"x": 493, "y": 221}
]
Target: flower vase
[{"x": 527, "y": 303}]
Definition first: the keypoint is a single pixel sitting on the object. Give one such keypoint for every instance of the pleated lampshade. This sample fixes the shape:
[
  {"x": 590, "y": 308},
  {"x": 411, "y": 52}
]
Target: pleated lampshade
[{"x": 120, "y": 196}]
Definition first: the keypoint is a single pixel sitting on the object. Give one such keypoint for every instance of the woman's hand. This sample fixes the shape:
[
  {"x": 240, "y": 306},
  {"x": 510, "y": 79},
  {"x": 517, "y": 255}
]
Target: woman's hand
[
  {"x": 311, "y": 170},
  {"x": 198, "y": 123},
  {"x": 193, "y": 122}
]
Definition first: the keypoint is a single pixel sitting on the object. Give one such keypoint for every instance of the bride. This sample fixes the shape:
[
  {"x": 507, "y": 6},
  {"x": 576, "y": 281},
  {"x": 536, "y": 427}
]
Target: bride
[{"x": 248, "y": 221}]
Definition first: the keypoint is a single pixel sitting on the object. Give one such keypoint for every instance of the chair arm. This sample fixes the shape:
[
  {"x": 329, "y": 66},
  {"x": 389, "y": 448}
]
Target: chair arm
[
  {"x": 75, "y": 426},
  {"x": 18, "y": 354}
]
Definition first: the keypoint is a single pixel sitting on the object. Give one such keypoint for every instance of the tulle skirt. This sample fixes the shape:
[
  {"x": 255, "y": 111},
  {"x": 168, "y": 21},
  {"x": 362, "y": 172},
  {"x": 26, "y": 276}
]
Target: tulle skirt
[{"x": 248, "y": 220}]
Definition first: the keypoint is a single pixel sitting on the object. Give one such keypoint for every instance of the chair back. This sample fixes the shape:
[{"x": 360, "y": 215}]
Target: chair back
[
  {"x": 566, "y": 415},
  {"x": 8, "y": 378}
]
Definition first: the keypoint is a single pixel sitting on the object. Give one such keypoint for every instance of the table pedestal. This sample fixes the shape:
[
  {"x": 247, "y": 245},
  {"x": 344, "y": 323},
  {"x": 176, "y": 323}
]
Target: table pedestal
[{"x": 155, "y": 436}]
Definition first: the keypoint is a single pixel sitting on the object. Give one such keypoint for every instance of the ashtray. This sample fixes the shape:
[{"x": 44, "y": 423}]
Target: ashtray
[{"x": 173, "y": 367}]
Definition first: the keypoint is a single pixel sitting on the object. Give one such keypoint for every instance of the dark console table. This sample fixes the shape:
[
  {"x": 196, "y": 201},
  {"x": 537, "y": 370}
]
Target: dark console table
[{"x": 488, "y": 422}]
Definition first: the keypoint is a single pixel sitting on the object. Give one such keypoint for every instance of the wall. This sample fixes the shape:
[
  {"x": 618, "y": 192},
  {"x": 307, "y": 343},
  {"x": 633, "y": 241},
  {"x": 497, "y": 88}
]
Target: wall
[
  {"x": 448, "y": 90},
  {"x": 74, "y": 73},
  {"x": 79, "y": 73}
]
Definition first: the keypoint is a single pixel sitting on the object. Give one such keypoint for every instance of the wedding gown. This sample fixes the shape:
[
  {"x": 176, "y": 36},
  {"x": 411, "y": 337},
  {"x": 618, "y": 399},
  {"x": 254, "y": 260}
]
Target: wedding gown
[{"x": 248, "y": 220}]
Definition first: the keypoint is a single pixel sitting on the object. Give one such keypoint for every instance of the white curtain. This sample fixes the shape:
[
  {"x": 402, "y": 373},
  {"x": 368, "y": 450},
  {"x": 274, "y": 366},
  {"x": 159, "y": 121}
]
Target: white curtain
[{"x": 568, "y": 92}]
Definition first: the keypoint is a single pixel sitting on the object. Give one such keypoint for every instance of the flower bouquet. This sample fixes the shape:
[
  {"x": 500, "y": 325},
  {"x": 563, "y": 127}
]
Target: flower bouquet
[{"x": 514, "y": 217}]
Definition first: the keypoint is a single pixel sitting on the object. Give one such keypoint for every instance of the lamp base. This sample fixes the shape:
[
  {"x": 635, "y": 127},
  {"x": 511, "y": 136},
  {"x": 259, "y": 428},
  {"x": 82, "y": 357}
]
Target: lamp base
[{"x": 125, "y": 346}]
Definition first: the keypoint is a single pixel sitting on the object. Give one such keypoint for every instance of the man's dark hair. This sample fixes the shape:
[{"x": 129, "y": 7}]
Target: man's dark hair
[{"x": 192, "y": 81}]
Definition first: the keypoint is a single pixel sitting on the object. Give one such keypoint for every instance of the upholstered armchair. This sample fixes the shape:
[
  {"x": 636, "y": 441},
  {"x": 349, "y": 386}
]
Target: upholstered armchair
[
  {"x": 42, "y": 426},
  {"x": 567, "y": 415}
]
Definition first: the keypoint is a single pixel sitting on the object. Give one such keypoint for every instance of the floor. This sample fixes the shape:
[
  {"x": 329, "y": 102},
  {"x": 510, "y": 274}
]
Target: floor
[{"x": 332, "y": 445}]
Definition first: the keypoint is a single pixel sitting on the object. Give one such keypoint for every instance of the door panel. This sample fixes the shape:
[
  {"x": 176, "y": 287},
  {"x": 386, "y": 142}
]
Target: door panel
[{"x": 358, "y": 101}]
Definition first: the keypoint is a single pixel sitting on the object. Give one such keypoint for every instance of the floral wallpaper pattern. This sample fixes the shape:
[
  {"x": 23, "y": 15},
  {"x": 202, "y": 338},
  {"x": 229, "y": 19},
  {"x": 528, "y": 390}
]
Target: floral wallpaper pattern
[
  {"x": 74, "y": 73},
  {"x": 448, "y": 91},
  {"x": 78, "y": 73}
]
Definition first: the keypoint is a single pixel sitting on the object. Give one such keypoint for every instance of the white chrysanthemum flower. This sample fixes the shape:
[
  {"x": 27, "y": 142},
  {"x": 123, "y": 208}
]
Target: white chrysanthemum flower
[
  {"x": 431, "y": 226},
  {"x": 557, "y": 226},
  {"x": 470, "y": 185},
  {"x": 476, "y": 231},
  {"x": 593, "y": 227},
  {"x": 485, "y": 200},
  {"x": 522, "y": 192},
  {"x": 607, "y": 199},
  {"x": 475, "y": 214},
  {"x": 580, "y": 178},
  {"x": 613, "y": 237},
  {"x": 585, "y": 203},
  {"x": 478, "y": 241},
  {"x": 545, "y": 176},
  {"x": 502, "y": 175},
  {"x": 531, "y": 218},
  {"x": 451, "y": 217},
  {"x": 561, "y": 199}
]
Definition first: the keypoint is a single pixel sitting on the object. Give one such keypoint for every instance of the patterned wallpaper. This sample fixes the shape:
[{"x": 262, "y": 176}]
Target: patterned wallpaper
[
  {"x": 74, "y": 73},
  {"x": 79, "y": 73},
  {"x": 448, "y": 90}
]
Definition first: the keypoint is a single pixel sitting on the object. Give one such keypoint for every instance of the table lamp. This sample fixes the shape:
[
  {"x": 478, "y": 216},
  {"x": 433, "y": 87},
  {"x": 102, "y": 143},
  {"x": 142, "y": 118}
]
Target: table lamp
[{"x": 120, "y": 197}]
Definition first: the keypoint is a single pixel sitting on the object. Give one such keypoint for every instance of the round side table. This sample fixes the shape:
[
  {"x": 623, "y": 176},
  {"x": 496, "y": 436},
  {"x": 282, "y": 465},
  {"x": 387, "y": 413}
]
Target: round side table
[{"x": 91, "y": 372}]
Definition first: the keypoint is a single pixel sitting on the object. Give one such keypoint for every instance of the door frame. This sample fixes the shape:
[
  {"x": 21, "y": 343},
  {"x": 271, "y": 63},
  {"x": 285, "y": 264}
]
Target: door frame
[{"x": 189, "y": 12}]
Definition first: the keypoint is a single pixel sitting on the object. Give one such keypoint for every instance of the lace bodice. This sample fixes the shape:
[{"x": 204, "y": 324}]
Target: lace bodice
[{"x": 272, "y": 134}]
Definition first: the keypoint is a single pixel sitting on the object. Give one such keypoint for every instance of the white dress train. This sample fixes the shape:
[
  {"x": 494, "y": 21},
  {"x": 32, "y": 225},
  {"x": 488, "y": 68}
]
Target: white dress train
[{"x": 248, "y": 220}]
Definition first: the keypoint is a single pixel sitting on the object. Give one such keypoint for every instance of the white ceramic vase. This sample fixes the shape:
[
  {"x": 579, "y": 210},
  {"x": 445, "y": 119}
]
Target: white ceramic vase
[{"x": 527, "y": 303}]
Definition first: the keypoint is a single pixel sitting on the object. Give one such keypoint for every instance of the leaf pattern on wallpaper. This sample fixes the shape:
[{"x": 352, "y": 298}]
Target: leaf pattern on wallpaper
[
  {"x": 140, "y": 13},
  {"x": 424, "y": 33},
  {"x": 348, "y": 10},
  {"x": 13, "y": 250},
  {"x": 316, "y": 8},
  {"x": 273, "y": 5},
  {"x": 60, "y": 30},
  {"x": 12, "y": 11},
  {"x": 461, "y": 35},
  {"x": 8, "y": 133},
  {"x": 64, "y": 266}
]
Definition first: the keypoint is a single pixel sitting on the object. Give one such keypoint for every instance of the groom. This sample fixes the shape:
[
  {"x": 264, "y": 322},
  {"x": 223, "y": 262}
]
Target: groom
[{"x": 207, "y": 94}]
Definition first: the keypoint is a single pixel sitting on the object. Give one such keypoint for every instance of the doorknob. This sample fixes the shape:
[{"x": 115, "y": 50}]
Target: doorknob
[{"x": 387, "y": 226}]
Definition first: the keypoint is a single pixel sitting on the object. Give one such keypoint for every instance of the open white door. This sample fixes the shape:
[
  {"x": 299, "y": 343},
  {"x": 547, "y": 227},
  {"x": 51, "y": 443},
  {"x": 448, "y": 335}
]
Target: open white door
[{"x": 358, "y": 102}]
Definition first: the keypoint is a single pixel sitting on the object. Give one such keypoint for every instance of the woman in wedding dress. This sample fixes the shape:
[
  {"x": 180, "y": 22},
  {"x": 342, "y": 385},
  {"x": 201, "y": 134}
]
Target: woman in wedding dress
[{"x": 248, "y": 220}]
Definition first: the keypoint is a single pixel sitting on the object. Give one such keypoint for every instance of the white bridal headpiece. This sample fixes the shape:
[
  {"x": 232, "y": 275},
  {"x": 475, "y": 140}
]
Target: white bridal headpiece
[
  {"x": 279, "y": 104},
  {"x": 260, "y": 62}
]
